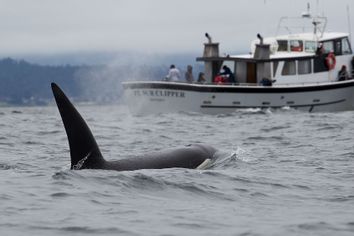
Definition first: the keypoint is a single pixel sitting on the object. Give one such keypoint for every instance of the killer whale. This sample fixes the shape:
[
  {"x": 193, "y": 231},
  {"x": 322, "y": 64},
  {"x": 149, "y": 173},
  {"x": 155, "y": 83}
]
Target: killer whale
[{"x": 85, "y": 153}]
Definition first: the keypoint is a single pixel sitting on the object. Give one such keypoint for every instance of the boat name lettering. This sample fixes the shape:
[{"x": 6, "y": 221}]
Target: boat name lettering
[{"x": 159, "y": 93}]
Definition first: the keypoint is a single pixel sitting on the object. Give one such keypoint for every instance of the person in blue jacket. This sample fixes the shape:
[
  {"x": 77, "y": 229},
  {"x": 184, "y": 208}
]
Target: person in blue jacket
[{"x": 228, "y": 73}]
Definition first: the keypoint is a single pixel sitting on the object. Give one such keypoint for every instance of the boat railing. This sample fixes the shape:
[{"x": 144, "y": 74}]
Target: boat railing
[
  {"x": 280, "y": 85},
  {"x": 260, "y": 85},
  {"x": 242, "y": 84},
  {"x": 293, "y": 25}
]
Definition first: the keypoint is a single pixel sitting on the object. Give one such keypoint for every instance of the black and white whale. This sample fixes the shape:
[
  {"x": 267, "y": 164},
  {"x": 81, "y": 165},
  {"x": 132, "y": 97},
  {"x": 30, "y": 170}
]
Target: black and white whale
[{"x": 85, "y": 153}]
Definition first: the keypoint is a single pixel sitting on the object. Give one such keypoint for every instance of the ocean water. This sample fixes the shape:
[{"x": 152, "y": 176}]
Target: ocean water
[{"x": 279, "y": 172}]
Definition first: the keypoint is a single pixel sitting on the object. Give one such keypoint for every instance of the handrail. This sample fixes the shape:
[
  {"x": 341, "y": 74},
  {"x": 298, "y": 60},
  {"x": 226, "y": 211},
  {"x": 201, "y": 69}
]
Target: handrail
[
  {"x": 315, "y": 22},
  {"x": 241, "y": 84}
]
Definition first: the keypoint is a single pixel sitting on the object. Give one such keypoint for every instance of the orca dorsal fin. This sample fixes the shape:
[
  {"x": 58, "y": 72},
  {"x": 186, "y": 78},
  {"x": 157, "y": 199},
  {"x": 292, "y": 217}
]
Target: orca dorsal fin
[{"x": 84, "y": 151}]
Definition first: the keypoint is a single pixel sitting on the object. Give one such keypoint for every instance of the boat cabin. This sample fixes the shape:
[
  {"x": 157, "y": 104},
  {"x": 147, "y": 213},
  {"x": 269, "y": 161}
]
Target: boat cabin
[
  {"x": 285, "y": 59},
  {"x": 296, "y": 57}
]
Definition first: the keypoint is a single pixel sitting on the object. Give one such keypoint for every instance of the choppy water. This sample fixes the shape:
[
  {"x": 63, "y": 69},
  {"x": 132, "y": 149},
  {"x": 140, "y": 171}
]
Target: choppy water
[{"x": 282, "y": 173}]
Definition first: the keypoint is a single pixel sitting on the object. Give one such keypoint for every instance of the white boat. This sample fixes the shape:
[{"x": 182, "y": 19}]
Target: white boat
[{"x": 301, "y": 69}]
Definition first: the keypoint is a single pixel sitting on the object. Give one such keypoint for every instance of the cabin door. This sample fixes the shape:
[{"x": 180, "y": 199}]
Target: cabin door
[{"x": 251, "y": 73}]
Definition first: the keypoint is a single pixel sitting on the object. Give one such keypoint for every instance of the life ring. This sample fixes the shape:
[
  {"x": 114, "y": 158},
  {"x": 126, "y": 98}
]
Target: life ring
[{"x": 331, "y": 61}]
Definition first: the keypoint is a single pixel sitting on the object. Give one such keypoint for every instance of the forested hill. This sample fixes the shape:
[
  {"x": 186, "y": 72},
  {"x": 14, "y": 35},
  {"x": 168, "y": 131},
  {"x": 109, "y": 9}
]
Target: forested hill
[{"x": 23, "y": 83}]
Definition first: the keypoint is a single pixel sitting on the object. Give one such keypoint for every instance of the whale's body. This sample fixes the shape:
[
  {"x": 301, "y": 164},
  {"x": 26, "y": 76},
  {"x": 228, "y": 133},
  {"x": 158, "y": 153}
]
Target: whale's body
[{"x": 85, "y": 153}]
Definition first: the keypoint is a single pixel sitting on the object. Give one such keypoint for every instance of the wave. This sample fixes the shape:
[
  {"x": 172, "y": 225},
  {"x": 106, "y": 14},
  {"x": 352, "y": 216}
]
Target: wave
[
  {"x": 81, "y": 230},
  {"x": 275, "y": 128},
  {"x": 323, "y": 228},
  {"x": 16, "y": 112},
  {"x": 50, "y": 132},
  {"x": 165, "y": 183},
  {"x": 18, "y": 166},
  {"x": 4, "y": 166}
]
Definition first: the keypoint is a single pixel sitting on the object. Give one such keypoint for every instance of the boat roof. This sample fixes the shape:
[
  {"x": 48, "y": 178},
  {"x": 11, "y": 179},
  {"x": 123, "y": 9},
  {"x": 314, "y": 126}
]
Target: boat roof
[
  {"x": 278, "y": 55},
  {"x": 310, "y": 36}
]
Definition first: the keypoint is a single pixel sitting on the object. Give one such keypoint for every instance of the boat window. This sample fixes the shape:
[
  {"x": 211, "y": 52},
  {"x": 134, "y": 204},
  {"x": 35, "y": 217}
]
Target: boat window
[
  {"x": 310, "y": 46},
  {"x": 304, "y": 67},
  {"x": 328, "y": 46},
  {"x": 296, "y": 45},
  {"x": 338, "y": 49},
  {"x": 275, "y": 67},
  {"x": 289, "y": 68},
  {"x": 346, "y": 46},
  {"x": 282, "y": 45}
]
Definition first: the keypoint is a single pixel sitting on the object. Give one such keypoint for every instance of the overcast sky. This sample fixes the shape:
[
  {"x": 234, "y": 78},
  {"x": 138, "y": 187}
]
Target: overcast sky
[{"x": 162, "y": 26}]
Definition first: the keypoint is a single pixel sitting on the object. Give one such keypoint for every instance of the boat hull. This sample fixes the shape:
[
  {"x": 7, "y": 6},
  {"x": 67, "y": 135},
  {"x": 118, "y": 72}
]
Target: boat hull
[{"x": 162, "y": 97}]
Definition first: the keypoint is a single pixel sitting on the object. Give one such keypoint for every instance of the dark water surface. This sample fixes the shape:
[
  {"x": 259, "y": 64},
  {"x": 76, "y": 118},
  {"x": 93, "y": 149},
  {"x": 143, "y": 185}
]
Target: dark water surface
[{"x": 279, "y": 173}]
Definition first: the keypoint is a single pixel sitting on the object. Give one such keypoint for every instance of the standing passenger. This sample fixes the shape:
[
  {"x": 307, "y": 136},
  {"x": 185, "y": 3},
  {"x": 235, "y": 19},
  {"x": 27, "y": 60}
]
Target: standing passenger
[
  {"x": 189, "y": 74},
  {"x": 173, "y": 74},
  {"x": 319, "y": 50},
  {"x": 201, "y": 78}
]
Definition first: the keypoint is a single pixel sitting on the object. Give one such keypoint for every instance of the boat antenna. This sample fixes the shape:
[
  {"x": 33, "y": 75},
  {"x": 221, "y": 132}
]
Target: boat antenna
[
  {"x": 317, "y": 7},
  {"x": 307, "y": 14},
  {"x": 349, "y": 25}
]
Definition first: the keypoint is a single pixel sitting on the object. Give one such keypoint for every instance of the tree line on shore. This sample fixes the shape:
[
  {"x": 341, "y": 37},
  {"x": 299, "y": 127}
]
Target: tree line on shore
[{"x": 24, "y": 83}]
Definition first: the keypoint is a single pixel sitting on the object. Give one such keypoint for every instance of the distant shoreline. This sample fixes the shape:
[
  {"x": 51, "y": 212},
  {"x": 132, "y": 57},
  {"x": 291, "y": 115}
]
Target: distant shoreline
[{"x": 26, "y": 84}]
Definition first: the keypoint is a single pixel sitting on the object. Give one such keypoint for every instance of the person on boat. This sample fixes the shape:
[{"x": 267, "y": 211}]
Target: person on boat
[
  {"x": 189, "y": 74},
  {"x": 266, "y": 82},
  {"x": 228, "y": 74},
  {"x": 319, "y": 50},
  {"x": 201, "y": 78},
  {"x": 343, "y": 74},
  {"x": 173, "y": 74}
]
